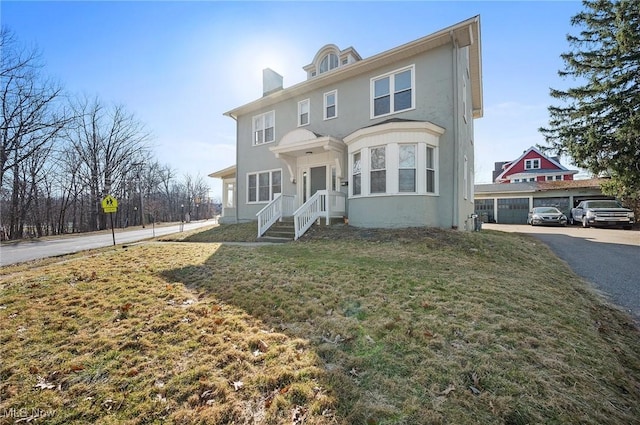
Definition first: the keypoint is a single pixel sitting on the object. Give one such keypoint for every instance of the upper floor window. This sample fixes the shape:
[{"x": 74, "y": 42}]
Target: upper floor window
[
  {"x": 331, "y": 104},
  {"x": 303, "y": 112},
  {"x": 532, "y": 164},
  {"x": 328, "y": 62},
  {"x": 378, "y": 170},
  {"x": 264, "y": 128},
  {"x": 392, "y": 92}
]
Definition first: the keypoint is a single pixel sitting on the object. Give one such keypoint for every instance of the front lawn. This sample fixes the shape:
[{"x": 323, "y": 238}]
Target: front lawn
[{"x": 373, "y": 327}]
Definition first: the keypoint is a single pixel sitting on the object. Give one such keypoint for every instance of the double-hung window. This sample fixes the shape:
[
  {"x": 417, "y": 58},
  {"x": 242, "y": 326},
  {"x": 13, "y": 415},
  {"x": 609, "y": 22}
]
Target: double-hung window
[
  {"x": 532, "y": 164},
  {"x": 263, "y": 186},
  {"x": 357, "y": 173},
  {"x": 392, "y": 92},
  {"x": 431, "y": 170},
  {"x": 378, "y": 170},
  {"x": 331, "y": 104},
  {"x": 407, "y": 168},
  {"x": 264, "y": 128},
  {"x": 303, "y": 112}
]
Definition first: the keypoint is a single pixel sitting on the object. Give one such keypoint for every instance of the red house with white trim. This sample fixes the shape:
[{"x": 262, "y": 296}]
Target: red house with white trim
[{"x": 532, "y": 166}]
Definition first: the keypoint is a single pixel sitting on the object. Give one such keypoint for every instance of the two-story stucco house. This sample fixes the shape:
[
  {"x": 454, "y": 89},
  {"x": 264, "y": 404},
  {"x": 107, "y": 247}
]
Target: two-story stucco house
[{"x": 386, "y": 141}]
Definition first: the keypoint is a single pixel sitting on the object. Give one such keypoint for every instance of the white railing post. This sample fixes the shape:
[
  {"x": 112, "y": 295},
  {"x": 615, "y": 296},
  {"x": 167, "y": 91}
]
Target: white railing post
[
  {"x": 322, "y": 203},
  {"x": 269, "y": 214}
]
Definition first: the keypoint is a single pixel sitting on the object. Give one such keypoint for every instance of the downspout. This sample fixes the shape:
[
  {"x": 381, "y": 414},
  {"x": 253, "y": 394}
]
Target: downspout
[
  {"x": 235, "y": 192},
  {"x": 454, "y": 57}
]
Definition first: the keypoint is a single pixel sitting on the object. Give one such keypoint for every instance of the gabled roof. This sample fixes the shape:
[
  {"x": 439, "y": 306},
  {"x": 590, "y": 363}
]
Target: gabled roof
[
  {"x": 465, "y": 34},
  {"x": 521, "y": 157}
]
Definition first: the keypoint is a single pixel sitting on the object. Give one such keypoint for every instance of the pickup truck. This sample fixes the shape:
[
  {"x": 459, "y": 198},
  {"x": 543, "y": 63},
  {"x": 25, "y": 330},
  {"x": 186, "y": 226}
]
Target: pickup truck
[{"x": 602, "y": 213}]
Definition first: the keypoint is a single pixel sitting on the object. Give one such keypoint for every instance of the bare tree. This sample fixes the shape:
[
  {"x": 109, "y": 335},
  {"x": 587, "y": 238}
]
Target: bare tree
[
  {"x": 107, "y": 141},
  {"x": 32, "y": 116}
]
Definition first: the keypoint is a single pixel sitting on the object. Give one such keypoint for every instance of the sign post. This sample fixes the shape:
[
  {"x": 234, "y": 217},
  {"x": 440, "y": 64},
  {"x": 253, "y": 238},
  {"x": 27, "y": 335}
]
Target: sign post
[{"x": 110, "y": 205}]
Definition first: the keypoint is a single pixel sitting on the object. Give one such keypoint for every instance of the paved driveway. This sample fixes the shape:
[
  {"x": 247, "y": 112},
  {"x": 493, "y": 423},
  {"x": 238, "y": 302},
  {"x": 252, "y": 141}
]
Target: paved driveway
[{"x": 608, "y": 258}]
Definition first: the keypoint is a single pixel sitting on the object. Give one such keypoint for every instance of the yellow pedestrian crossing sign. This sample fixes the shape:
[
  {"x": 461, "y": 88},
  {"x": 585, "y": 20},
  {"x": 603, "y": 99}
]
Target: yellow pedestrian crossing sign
[{"x": 109, "y": 204}]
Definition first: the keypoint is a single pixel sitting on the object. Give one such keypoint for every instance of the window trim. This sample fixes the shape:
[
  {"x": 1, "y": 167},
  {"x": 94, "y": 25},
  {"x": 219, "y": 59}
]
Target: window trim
[
  {"x": 414, "y": 168},
  {"x": 392, "y": 91},
  {"x": 532, "y": 164},
  {"x": 434, "y": 169},
  {"x": 464, "y": 98},
  {"x": 372, "y": 170},
  {"x": 257, "y": 188},
  {"x": 261, "y": 127},
  {"x": 301, "y": 104},
  {"x": 355, "y": 172},
  {"x": 326, "y": 106},
  {"x": 465, "y": 177}
]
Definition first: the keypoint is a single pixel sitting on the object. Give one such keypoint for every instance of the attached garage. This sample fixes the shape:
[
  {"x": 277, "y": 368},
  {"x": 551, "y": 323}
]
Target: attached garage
[{"x": 513, "y": 210}]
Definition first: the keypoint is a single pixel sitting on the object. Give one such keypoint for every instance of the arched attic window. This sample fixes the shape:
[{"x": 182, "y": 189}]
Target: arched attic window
[{"x": 329, "y": 62}]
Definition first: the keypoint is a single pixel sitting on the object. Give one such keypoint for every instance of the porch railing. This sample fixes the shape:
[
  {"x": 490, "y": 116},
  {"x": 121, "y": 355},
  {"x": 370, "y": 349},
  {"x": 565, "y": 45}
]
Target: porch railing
[
  {"x": 323, "y": 203},
  {"x": 281, "y": 206}
]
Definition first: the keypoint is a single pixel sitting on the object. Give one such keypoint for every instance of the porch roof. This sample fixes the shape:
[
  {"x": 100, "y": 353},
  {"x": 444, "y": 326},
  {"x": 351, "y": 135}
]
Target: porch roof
[
  {"x": 301, "y": 142},
  {"x": 228, "y": 172}
]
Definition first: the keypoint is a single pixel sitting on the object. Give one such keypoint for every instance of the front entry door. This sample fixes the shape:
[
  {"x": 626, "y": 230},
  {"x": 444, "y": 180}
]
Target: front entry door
[
  {"x": 313, "y": 179},
  {"x": 318, "y": 179}
]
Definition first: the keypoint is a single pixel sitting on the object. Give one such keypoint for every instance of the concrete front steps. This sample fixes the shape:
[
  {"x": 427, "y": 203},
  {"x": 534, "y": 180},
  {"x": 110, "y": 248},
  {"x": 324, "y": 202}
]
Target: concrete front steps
[
  {"x": 284, "y": 231},
  {"x": 281, "y": 231}
]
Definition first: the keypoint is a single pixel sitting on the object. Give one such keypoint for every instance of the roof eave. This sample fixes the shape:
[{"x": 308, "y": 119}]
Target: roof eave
[{"x": 467, "y": 33}]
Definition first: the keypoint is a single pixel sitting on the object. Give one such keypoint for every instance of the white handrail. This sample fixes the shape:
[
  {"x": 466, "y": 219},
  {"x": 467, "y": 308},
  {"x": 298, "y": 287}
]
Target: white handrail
[
  {"x": 304, "y": 216},
  {"x": 269, "y": 214},
  {"x": 281, "y": 206},
  {"x": 322, "y": 203}
]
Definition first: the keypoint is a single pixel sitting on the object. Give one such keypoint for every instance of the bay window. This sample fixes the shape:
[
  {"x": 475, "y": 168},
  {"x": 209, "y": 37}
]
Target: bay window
[
  {"x": 378, "y": 179},
  {"x": 356, "y": 174},
  {"x": 407, "y": 168},
  {"x": 431, "y": 170}
]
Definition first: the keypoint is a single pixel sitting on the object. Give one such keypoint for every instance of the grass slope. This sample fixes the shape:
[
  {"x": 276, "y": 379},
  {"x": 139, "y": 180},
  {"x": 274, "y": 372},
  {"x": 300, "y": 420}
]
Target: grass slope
[{"x": 373, "y": 327}]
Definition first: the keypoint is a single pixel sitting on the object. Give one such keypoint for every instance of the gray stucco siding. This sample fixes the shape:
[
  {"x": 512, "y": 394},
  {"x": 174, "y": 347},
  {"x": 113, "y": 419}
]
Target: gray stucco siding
[
  {"x": 434, "y": 80},
  {"x": 396, "y": 211}
]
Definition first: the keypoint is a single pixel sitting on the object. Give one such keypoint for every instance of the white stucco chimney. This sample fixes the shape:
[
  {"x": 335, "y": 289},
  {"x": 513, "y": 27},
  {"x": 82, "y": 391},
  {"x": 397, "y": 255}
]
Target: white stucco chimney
[{"x": 271, "y": 81}]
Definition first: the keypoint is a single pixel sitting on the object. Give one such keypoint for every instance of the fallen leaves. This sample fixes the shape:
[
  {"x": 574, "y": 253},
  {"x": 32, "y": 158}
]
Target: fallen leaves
[
  {"x": 43, "y": 384},
  {"x": 298, "y": 415},
  {"x": 447, "y": 390},
  {"x": 476, "y": 383}
]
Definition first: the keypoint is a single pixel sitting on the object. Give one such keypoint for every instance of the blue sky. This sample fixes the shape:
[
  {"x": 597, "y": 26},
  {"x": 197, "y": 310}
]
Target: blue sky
[{"x": 178, "y": 66}]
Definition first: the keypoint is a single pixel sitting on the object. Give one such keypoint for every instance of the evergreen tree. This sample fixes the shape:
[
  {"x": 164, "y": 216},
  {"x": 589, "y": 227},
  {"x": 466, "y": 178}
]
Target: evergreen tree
[{"x": 598, "y": 123}]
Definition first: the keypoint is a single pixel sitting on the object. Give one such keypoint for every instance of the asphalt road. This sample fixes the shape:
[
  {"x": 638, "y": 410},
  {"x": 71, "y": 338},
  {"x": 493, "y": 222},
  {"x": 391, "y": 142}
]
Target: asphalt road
[
  {"x": 607, "y": 258},
  {"x": 18, "y": 252}
]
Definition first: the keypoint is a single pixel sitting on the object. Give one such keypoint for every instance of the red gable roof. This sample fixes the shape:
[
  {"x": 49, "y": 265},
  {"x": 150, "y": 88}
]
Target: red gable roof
[{"x": 547, "y": 165}]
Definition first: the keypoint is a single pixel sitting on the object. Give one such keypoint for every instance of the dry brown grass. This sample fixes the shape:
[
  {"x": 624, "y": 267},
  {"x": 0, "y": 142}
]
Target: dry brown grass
[{"x": 381, "y": 327}]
